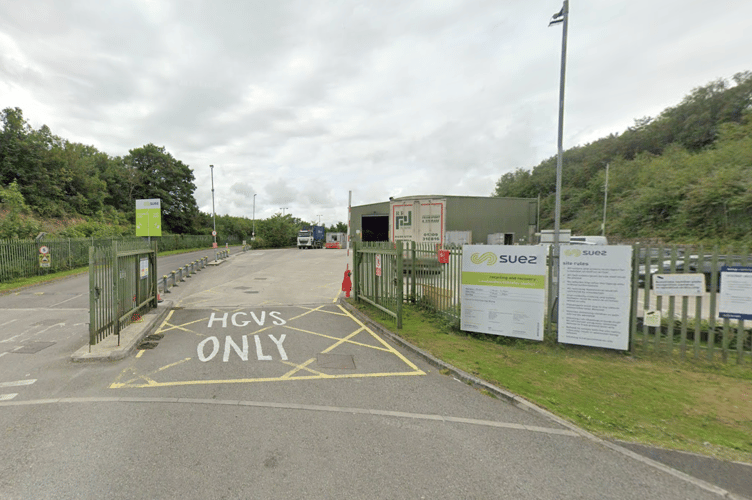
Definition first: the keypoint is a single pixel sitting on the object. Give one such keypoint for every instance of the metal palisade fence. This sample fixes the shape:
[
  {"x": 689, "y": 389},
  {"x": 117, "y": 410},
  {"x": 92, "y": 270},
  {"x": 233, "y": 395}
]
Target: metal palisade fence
[
  {"x": 690, "y": 326},
  {"x": 23, "y": 258},
  {"x": 122, "y": 285}
]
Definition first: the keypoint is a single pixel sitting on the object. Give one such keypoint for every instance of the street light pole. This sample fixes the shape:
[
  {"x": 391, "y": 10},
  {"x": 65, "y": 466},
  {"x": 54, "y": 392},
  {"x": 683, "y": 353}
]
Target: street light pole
[
  {"x": 253, "y": 234},
  {"x": 563, "y": 18},
  {"x": 214, "y": 215}
]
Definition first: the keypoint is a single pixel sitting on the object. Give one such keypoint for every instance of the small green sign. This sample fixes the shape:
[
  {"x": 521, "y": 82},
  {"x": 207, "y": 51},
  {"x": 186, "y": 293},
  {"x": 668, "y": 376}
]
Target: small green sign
[{"x": 148, "y": 217}]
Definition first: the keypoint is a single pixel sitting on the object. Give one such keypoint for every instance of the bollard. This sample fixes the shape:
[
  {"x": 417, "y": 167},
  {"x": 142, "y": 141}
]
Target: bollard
[
  {"x": 164, "y": 284},
  {"x": 174, "y": 280},
  {"x": 187, "y": 271}
]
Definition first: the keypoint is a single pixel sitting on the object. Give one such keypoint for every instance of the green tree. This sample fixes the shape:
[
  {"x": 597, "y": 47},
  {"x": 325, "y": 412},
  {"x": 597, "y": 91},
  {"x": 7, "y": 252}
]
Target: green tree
[
  {"x": 160, "y": 175},
  {"x": 15, "y": 222},
  {"x": 278, "y": 231}
]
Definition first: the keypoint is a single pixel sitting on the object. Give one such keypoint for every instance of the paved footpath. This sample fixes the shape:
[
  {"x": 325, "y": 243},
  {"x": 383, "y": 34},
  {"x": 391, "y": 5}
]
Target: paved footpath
[{"x": 257, "y": 382}]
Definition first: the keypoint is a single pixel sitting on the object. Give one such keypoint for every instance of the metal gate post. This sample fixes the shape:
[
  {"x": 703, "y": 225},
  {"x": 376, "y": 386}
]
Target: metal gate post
[
  {"x": 355, "y": 271},
  {"x": 400, "y": 284}
]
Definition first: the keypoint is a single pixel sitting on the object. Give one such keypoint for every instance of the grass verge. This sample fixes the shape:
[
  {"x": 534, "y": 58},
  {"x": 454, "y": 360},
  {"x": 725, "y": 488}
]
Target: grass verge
[{"x": 687, "y": 405}]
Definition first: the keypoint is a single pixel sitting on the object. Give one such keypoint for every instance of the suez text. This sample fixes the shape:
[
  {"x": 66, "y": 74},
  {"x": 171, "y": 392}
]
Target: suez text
[
  {"x": 208, "y": 348},
  {"x": 533, "y": 259},
  {"x": 518, "y": 259}
]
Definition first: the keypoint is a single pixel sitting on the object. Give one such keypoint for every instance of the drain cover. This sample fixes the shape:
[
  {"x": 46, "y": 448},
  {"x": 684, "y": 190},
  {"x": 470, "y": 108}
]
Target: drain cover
[
  {"x": 147, "y": 345},
  {"x": 337, "y": 361},
  {"x": 32, "y": 347},
  {"x": 242, "y": 288},
  {"x": 153, "y": 337},
  {"x": 252, "y": 291}
]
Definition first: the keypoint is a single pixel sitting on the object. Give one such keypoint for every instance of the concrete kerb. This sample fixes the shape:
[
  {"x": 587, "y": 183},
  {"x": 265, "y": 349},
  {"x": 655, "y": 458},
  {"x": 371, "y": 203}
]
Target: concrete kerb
[
  {"x": 109, "y": 350},
  {"x": 528, "y": 406}
]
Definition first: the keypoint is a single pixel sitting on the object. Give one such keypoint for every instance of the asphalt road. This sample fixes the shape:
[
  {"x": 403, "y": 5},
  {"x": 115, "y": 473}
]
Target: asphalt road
[{"x": 261, "y": 385}]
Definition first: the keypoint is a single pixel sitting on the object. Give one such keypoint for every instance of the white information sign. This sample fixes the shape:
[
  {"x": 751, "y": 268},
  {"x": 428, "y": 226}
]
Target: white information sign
[
  {"x": 503, "y": 290},
  {"x": 594, "y": 295},
  {"x": 679, "y": 284},
  {"x": 736, "y": 292},
  {"x": 144, "y": 267}
]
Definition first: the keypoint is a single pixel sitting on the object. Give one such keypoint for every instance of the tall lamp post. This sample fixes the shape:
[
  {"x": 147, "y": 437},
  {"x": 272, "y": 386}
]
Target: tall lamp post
[
  {"x": 214, "y": 215},
  {"x": 253, "y": 234},
  {"x": 560, "y": 17}
]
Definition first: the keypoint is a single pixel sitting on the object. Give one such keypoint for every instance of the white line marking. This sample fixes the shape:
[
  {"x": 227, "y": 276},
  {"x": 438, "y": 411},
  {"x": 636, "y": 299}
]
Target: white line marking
[
  {"x": 18, "y": 383},
  {"x": 42, "y": 309},
  {"x": 66, "y": 300},
  {"x": 9, "y": 322},
  {"x": 8, "y": 397}
]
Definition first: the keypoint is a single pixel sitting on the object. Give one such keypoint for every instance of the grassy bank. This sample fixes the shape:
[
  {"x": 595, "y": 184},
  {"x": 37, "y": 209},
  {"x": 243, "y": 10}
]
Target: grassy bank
[{"x": 687, "y": 405}]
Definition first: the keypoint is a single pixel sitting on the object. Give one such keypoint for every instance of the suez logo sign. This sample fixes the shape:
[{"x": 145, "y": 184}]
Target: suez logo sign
[
  {"x": 208, "y": 348},
  {"x": 576, "y": 252},
  {"x": 490, "y": 259}
]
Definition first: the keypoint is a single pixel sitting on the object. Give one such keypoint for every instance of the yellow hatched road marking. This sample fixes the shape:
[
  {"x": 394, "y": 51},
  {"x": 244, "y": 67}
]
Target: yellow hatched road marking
[{"x": 133, "y": 376}]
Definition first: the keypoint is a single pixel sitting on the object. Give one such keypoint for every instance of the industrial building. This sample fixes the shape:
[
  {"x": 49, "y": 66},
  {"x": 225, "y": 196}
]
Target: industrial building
[{"x": 447, "y": 220}]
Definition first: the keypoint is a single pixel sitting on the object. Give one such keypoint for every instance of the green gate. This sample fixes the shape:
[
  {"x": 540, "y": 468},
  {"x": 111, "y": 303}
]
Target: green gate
[
  {"x": 378, "y": 276},
  {"x": 122, "y": 285}
]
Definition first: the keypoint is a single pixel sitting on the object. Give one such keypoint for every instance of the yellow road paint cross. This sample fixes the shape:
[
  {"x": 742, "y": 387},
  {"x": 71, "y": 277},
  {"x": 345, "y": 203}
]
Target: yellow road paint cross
[{"x": 276, "y": 344}]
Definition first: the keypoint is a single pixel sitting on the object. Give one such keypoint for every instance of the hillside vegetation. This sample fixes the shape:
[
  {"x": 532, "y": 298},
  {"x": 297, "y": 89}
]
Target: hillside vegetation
[
  {"x": 65, "y": 189},
  {"x": 684, "y": 176}
]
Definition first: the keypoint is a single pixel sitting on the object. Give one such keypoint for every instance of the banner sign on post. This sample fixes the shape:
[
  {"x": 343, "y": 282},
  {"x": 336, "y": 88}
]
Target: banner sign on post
[
  {"x": 378, "y": 265},
  {"x": 148, "y": 217},
  {"x": 503, "y": 290},
  {"x": 594, "y": 295},
  {"x": 736, "y": 292}
]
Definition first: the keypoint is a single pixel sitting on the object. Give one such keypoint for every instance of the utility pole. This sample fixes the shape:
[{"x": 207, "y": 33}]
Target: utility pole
[
  {"x": 605, "y": 203},
  {"x": 283, "y": 210}
]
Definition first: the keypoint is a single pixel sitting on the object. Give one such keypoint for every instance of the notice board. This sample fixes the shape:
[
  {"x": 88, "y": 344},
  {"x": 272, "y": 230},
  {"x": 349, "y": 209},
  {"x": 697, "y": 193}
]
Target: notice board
[{"x": 594, "y": 295}]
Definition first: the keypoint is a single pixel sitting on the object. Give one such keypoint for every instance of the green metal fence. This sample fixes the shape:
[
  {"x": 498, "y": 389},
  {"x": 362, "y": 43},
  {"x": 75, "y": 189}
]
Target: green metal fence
[
  {"x": 434, "y": 280},
  {"x": 690, "y": 326},
  {"x": 122, "y": 285},
  {"x": 21, "y": 258}
]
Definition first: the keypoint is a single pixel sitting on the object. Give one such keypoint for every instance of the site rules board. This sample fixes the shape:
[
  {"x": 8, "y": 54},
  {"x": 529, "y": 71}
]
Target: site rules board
[
  {"x": 503, "y": 290},
  {"x": 595, "y": 295}
]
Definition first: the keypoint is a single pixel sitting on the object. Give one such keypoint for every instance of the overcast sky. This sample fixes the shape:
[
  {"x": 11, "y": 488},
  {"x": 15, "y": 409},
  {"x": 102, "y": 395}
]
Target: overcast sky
[{"x": 301, "y": 101}]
